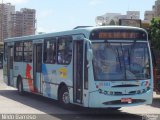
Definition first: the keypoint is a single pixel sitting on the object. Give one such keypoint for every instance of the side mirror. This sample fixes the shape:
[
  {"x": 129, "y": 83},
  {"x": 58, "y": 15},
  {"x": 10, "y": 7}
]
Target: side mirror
[
  {"x": 89, "y": 55},
  {"x": 89, "y": 52}
]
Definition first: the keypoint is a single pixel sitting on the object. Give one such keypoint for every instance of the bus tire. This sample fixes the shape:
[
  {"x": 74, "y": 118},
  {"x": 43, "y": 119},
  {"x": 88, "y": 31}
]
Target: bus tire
[
  {"x": 20, "y": 87},
  {"x": 64, "y": 99},
  {"x": 115, "y": 108}
]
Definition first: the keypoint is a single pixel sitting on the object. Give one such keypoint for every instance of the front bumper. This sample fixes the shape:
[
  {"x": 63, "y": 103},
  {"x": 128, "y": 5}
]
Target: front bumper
[{"x": 97, "y": 100}]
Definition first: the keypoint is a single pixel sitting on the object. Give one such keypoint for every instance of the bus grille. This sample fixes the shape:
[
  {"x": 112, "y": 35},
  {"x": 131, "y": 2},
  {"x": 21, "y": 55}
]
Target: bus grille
[{"x": 141, "y": 91}]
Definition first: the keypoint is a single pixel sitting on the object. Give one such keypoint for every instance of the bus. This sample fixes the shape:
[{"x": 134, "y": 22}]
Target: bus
[
  {"x": 94, "y": 67},
  {"x": 1, "y": 55}
]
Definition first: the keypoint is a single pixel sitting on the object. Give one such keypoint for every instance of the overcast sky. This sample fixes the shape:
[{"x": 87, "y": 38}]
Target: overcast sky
[{"x": 59, "y": 15}]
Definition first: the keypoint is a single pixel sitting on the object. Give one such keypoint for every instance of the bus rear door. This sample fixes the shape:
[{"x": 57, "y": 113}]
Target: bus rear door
[
  {"x": 10, "y": 65},
  {"x": 37, "y": 67}
]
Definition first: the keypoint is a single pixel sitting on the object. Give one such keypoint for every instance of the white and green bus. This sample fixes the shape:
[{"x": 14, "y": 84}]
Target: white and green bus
[{"x": 95, "y": 67}]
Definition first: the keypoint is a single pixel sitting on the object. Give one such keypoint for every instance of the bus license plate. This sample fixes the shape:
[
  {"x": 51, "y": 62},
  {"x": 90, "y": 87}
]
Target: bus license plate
[{"x": 127, "y": 100}]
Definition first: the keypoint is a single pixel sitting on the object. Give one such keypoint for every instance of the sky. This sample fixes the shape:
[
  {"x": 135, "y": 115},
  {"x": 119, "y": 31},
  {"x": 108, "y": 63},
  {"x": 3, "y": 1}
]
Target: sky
[{"x": 60, "y": 15}]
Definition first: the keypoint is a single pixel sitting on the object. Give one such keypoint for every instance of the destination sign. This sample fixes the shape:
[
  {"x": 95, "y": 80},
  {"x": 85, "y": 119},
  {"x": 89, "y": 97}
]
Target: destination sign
[{"x": 118, "y": 34}]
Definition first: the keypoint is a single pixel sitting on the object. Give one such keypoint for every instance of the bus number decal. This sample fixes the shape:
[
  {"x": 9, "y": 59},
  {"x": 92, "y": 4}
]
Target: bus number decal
[{"x": 103, "y": 84}]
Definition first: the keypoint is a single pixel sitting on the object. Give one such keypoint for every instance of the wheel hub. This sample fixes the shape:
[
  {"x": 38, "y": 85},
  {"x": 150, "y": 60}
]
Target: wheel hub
[{"x": 66, "y": 97}]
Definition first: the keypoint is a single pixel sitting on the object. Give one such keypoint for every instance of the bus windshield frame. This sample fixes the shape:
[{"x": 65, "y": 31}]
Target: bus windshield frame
[{"x": 128, "y": 54}]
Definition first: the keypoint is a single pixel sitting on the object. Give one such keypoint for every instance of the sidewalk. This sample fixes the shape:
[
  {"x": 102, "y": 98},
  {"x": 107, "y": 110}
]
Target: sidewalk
[{"x": 3, "y": 86}]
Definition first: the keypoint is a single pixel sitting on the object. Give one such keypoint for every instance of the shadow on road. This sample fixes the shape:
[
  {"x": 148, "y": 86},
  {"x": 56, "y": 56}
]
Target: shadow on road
[
  {"x": 53, "y": 109},
  {"x": 99, "y": 114},
  {"x": 156, "y": 102}
]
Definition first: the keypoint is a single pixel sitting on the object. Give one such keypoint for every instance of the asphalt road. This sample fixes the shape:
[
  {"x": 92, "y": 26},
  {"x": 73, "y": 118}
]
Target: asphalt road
[{"x": 13, "y": 104}]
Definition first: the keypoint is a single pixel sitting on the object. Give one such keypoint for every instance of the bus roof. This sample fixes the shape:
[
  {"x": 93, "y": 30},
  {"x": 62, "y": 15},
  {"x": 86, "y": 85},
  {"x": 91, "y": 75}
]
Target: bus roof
[{"x": 86, "y": 31}]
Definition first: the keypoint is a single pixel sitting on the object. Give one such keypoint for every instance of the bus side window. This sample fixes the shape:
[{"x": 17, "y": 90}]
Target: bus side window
[
  {"x": 27, "y": 52},
  {"x": 64, "y": 50},
  {"x": 50, "y": 51},
  {"x": 18, "y": 57}
]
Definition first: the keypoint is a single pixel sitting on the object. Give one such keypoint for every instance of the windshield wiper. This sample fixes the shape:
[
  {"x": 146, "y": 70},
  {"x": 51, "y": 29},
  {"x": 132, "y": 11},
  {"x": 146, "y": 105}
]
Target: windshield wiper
[{"x": 119, "y": 59}]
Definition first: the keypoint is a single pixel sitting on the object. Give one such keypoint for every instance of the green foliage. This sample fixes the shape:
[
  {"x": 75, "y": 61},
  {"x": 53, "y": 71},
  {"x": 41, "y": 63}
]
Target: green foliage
[{"x": 154, "y": 33}]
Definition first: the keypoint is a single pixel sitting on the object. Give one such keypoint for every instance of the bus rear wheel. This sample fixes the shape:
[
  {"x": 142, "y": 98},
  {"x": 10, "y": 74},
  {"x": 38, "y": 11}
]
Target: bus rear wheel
[
  {"x": 64, "y": 97},
  {"x": 115, "y": 108},
  {"x": 20, "y": 87}
]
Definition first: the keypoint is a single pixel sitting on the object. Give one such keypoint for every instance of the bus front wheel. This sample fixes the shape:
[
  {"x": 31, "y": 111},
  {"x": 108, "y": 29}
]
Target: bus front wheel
[{"x": 64, "y": 97}]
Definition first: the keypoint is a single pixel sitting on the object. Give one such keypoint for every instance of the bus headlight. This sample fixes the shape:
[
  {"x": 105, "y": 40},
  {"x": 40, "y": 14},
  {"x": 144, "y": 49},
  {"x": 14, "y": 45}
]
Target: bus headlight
[
  {"x": 111, "y": 93},
  {"x": 105, "y": 92}
]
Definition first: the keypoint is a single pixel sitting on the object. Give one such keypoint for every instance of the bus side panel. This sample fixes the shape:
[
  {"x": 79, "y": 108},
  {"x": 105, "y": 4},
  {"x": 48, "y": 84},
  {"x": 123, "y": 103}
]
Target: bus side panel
[
  {"x": 28, "y": 77},
  {"x": 65, "y": 75},
  {"x": 18, "y": 71},
  {"x": 5, "y": 64},
  {"x": 53, "y": 76},
  {"x": 49, "y": 81},
  {"x": 24, "y": 70},
  {"x": 86, "y": 99},
  {"x": 5, "y": 71}
]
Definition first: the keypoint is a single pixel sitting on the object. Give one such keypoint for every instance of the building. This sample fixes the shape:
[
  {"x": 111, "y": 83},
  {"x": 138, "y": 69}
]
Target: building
[
  {"x": 133, "y": 14},
  {"x": 108, "y": 19},
  {"x": 148, "y": 15},
  {"x": 16, "y": 23},
  {"x": 156, "y": 8},
  {"x": 113, "y": 18},
  {"x": 23, "y": 22},
  {"x": 29, "y": 21},
  {"x": 5, "y": 20}
]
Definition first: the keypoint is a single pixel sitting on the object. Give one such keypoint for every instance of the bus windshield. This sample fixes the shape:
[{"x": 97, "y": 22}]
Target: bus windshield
[{"x": 121, "y": 61}]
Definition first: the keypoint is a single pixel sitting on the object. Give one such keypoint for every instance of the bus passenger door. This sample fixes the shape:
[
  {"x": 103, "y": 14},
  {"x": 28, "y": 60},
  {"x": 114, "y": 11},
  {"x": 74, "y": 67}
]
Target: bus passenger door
[
  {"x": 37, "y": 67},
  {"x": 78, "y": 71},
  {"x": 10, "y": 66}
]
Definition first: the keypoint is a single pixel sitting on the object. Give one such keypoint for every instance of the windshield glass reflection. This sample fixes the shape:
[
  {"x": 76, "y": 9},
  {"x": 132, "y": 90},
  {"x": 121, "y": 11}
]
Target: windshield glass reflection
[{"x": 121, "y": 61}]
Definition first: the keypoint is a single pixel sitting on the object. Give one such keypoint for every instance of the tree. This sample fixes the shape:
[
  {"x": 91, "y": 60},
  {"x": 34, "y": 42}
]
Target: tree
[{"x": 154, "y": 33}]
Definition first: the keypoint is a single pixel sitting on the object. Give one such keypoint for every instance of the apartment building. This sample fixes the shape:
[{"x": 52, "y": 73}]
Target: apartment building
[
  {"x": 148, "y": 15},
  {"x": 156, "y": 8},
  {"x": 23, "y": 22},
  {"x": 113, "y": 18},
  {"x": 5, "y": 20},
  {"x": 16, "y": 23}
]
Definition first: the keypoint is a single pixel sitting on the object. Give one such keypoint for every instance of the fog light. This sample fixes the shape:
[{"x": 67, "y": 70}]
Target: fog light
[
  {"x": 138, "y": 92},
  {"x": 144, "y": 90},
  {"x": 148, "y": 88},
  {"x": 111, "y": 92},
  {"x": 100, "y": 90},
  {"x": 105, "y": 92}
]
